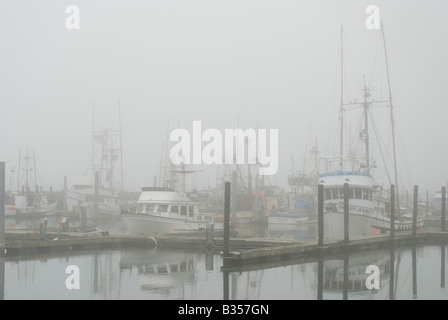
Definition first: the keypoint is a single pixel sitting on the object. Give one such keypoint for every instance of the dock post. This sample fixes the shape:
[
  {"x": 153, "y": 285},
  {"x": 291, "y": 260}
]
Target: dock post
[
  {"x": 226, "y": 221},
  {"x": 414, "y": 215},
  {"x": 392, "y": 211},
  {"x": 320, "y": 216},
  {"x": 346, "y": 214},
  {"x": 2, "y": 204},
  {"x": 234, "y": 192},
  {"x": 443, "y": 208},
  {"x": 97, "y": 186}
]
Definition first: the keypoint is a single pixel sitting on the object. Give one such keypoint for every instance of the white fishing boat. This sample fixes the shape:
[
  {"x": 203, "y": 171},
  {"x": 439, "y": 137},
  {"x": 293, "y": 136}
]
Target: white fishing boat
[
  {"x": 163, "y": 210},
  {"x": 369, "y": 201},
  {"x": 81, "y": 199},
  {"x": 106, "y": 169}
]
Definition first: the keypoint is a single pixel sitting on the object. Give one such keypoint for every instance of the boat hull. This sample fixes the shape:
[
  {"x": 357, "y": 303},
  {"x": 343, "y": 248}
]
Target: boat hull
[
  {"x": 360, "y": 225},
  {"x": 46, "y": 211},
  {"x": 152, "y": 224},
  {"x": 87, "y": 214}
]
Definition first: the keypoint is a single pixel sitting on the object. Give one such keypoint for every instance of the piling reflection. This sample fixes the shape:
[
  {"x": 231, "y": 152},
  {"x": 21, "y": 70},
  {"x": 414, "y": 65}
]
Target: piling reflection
[{"x": 442, "y": 267}]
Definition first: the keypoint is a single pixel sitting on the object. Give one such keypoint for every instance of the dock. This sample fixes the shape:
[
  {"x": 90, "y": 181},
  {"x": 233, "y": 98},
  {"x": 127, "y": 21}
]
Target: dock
[{"x": 244, "y": 253}]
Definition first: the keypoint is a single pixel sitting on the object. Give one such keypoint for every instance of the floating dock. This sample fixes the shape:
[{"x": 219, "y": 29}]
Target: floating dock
[{"x": 243, "y": 252}]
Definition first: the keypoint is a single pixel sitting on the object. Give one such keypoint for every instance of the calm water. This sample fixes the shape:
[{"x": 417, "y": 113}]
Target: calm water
[{"x": 161, "y": 274}]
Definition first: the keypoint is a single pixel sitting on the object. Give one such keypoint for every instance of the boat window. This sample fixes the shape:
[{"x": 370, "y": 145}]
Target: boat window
[
  {"x": 327, "y": 194},
  {"x": 174, "y": 209},
  {"x": 191, "y": 211},
  {"x": 358, "y": 193},
  {"x": 183, "y": 210},
  {"x": 139, "y": 209},
  {"x": 163, "y": 208},
  {"x": 150, "y": 208},
  {"x": 341, "y": 193}
]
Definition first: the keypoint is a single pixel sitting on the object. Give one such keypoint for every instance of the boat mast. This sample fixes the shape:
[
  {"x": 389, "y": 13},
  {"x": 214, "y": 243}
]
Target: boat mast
[
  {"x": 365, "y": 134},
  {"x": 18, "y": 173},
  {"x": 121, "y": 146},
  {"x": 341, "y": 151},
  {"x": 392, "y": 122},
  {"x": 34, "y": 170}
]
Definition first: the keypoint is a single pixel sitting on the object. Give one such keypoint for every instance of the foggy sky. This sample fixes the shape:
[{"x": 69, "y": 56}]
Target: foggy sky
[{"x": 229, "y": 64}]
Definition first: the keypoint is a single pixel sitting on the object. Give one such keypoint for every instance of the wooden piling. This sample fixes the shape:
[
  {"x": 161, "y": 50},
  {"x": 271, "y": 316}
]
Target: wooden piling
[
  {"x": 234, "y": 192},
  {"x": 346, "y": 214},
  {"x": 392, "y": 211},
  {"x": 320, "y": 215},
  {"x": 226, "y": 221},
  {"x": 97, "y": 186},
  {"x": 2, "y": 203},
  {"x": 443, "y": 208},
  {"x": 414, "y": 215}
]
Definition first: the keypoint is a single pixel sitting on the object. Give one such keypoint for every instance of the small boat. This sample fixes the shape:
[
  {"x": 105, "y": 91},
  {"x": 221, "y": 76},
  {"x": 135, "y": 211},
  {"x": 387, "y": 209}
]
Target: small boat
[{"x": 163, "y": 210}]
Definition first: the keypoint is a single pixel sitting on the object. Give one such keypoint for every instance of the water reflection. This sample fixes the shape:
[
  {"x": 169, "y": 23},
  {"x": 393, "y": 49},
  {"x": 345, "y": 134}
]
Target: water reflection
[{"x": 417, "y": 272}]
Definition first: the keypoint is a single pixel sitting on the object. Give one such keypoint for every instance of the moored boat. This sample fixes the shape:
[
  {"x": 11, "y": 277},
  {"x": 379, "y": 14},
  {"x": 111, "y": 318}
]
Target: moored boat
[{"x": 163, "y": 210}]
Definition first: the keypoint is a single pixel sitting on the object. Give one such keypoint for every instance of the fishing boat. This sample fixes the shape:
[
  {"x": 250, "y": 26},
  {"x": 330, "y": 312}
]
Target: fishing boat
[
  {"x": 96, "y": 196},
  {"x": 29, "y": 201},
  {"x": 81, "y": 199},
  {"x": 369, "y": 201},
  {"x": 161, "y": 210}
]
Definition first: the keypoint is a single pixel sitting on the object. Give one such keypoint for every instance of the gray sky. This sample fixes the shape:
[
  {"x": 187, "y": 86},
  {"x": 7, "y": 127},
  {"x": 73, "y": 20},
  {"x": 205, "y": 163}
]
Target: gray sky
[{"x": 267, "y": 64}]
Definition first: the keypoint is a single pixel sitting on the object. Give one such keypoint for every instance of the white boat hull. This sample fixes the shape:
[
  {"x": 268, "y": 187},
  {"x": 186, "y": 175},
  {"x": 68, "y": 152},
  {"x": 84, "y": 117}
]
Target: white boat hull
[
  {"x": 360, "y": 224},
  {"x": 38, "y": 212},
  {"x": 146, "y": 224},
  {"x": 287, "y": 220}
]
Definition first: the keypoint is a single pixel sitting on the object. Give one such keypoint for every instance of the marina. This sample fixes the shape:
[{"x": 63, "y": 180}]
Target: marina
[
  {"x": 207, "y": 150},
  {"x": 146, "y": 273}
]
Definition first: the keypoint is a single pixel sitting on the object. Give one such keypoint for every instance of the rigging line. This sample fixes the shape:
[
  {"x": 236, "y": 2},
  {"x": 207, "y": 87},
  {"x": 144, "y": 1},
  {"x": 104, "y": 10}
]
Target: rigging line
[
  {"x": 359, "y": 83},
  {"x": 378, "y": 138},
  {"x": 401, "y": 141},
  {"x": 375, "y": 59}
]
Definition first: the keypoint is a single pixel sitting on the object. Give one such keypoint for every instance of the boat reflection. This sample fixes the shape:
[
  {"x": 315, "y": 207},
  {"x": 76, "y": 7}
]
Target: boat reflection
[
  {"x": 349, "y": 276},
  {"x": 165, "y": 272}
]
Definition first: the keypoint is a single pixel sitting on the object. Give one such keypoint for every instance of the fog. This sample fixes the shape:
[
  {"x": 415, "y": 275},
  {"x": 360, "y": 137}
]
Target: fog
[{"x": 150, "y": 67}]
